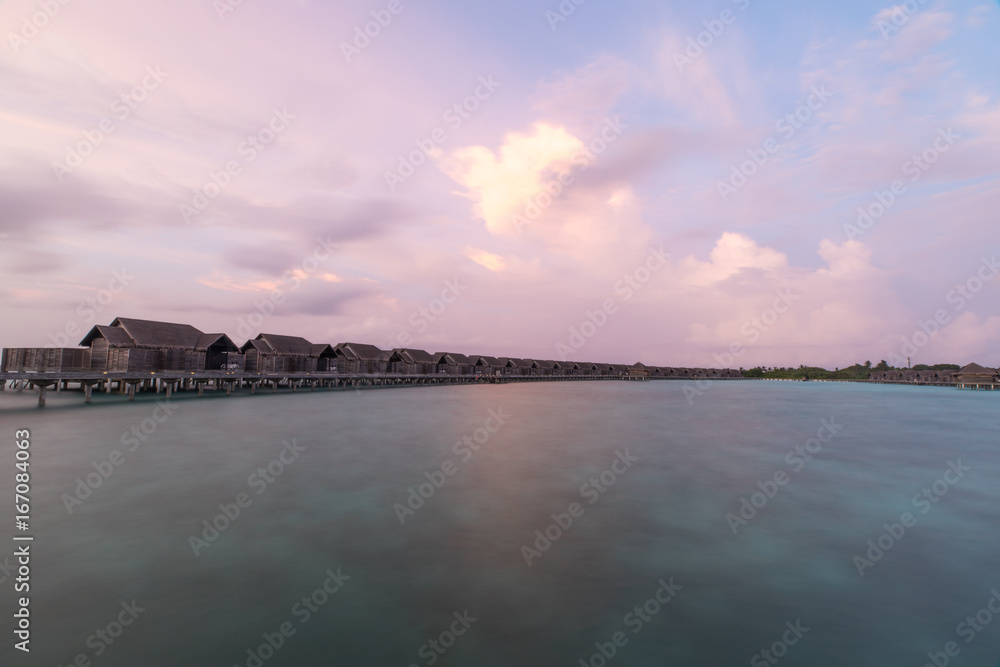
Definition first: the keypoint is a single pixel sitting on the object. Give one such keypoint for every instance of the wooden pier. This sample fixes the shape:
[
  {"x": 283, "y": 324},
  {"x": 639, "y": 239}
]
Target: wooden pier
[{"x": 168, "y": 382}]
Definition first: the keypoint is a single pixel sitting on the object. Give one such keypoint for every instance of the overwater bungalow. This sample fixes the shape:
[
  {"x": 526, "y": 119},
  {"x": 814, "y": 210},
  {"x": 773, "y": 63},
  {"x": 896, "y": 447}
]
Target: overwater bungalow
[
  {"x": 361, "y": 358},
  {"x": 975, "y": 376},
  {"x": 412, "y": 362},
  {"x": 567, "y": 368},
  {"x": 145, "y": 345},
  {"x": 638, "y": 370},
  {"x": 489, "y": 366},
  {"x": 542, "y": 368},
  {"x": 455, "y": 364},
  {"x": 517, "y": 367},
  {"x": 274, "y": 353}
]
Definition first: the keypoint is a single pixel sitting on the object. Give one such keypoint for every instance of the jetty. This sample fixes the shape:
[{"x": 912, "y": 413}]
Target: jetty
[{"x": 131, "y": 356}]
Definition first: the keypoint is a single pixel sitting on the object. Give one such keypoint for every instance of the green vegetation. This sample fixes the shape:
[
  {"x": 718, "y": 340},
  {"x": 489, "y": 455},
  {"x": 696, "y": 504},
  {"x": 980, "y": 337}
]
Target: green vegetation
[{"x": 855, "y": 372}]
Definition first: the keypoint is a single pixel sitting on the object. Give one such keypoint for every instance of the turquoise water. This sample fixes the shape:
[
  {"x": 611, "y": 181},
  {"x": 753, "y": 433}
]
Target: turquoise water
[{"x": 329, "y": 516}]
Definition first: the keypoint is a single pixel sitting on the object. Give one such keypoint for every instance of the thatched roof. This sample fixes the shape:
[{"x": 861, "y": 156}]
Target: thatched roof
[
  {"x": 518, "y": 363},
  {"x": 492, "y": 362},
  {"x": 214, "y": 340},
  {"x": 454, "y": 358},
  {"x": 548, "y": 365},
  {"x": 287, "y": 345},
  {"x": 976, "y": 369},
  {"x": 362, "y": 352},
  {"x": 115, "y": 336},
  {"x": 410, "y": 356},
  {"x": 258, "y": 345},
  {"x": 127, "y": 332},
  {"x": 322, "y": 350}
]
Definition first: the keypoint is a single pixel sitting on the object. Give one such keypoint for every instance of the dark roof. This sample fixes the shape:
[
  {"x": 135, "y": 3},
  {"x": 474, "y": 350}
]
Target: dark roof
[
  {"x": 518, "y": 363},
  {"x": 147, "y": 333},
  {"x": 208, "y": 340},
  {"x": 976, "y": 369},
  {"x": 363, "y": 352},
  {"x": 292, "y": 345},
  {"x": 322, "y": 350},
  {"x": 543, "y": 364},
  {"x": 493, "y": 362},
  {"x": 115, "y": 336},
  {"x": 413, "y": 356},
  {"x": 453, "y": 358},
  {"x": 127, "y": 332},
  {"x": 258, "y": 345}
]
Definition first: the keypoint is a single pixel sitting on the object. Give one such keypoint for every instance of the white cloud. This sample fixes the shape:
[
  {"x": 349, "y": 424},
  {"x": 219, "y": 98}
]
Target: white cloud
[{"x": 732, "y": 254}]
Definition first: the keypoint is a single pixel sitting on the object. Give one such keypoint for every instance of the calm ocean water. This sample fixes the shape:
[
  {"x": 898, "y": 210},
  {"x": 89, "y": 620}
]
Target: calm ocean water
[{"x": 444, "y": 579}]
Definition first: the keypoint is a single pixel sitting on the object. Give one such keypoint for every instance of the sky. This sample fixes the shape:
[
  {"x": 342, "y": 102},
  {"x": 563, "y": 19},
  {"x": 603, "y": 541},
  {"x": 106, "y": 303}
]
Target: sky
[{"x": 729, "y": 183}]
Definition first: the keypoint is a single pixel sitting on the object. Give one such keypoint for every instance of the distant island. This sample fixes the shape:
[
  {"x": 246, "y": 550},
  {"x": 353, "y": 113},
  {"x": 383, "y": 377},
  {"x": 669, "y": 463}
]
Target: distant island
[{"x": 863, "y": 371}]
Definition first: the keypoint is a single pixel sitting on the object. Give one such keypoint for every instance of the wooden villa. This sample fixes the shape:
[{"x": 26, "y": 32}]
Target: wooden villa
[
  {"x": 361, "y": 358},
  {"x": 488, "y": 366},
  {"x": 638, "y": 370},
  {"x": 412, "y": 362},
  {"x": 274, "y": 353},
  {"x": 567, "y": 368},
  {"x": 975, "y": 376},
  {"x": 543, "y": 368},
  {"x": 517, "y": 367},
  {"x": 455, "y": 364},
  {"x": 145, "y": 345}
]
